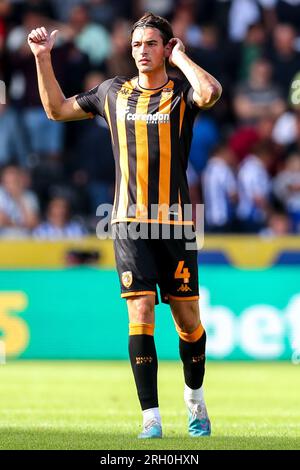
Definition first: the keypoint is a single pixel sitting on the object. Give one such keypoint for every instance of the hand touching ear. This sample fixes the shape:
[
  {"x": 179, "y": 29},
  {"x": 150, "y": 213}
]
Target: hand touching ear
[{"x": 175, "y": 45}]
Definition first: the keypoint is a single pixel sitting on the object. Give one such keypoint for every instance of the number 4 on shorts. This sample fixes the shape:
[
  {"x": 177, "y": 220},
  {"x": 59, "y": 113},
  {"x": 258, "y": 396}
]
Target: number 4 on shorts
[{"x": 182, "y": 273}]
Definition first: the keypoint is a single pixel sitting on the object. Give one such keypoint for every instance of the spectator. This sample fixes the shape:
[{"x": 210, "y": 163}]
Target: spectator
[
  {"x": 90, "y": 38},
  {"x": 205, "y": 138},
  {"x": 253, "y": 41},
  {"x": 45, "y": 137},
  {"x": 258, "y": 97},
  {"x": 209, "y": 52},
  {"x": 184, "y": 25},
  {"x": 284, "y": 57},
  {"x": 158, "y": 7},
  {"x": 92, "y": 161},
  {"x": 278, "y": 225},
  {"x": 32, "y": 15},
  {"x": 246, "y": 138},
  {"x": 13, "y": 144},
  {"x": 244, "y": 13},
  {"x": 254, "y": 188},
  {"x": 73, "y": 66},
  {"x": 291, "y": 131},
  {"x": 220, "y": 191},
  {"x": 251, "y": 49},
  {"x": 19, "y": 206},
  {"x": 287, "y": 189},
  {"x": 120, "y": 61},
  {"x": 63, "y": 9},
  {"x": 102, "y": 11},
  {"x": 59, "y": 223}
]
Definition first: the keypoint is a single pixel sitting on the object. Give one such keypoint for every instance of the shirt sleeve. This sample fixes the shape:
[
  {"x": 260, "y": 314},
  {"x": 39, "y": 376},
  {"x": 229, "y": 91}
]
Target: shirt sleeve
[
  {"x": 189, "y": 97},
  {"x": 93, "y": 101},
  {"x": 188, "y": 91}
]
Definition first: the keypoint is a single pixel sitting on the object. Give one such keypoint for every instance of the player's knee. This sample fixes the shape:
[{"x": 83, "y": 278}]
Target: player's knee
[
  {"x": 189, "y": 319},
  {"x": 189, "y": 326},
  {"x": 141, "y": 310},
  {"x": 144, "y": 312}
]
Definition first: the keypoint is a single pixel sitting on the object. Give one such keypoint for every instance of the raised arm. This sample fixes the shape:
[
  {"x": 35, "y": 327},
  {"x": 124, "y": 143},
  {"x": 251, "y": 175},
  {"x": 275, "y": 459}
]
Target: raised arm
[
  {"x": 207, "y": 90},
  {"x": 56, "y": 105}
]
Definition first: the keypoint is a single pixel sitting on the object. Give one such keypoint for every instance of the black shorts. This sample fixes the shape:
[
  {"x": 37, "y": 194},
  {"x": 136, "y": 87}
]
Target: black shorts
[{"x": 143, "y": 264}]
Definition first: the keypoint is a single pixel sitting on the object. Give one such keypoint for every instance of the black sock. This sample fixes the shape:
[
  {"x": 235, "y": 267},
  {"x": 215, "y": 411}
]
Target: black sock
[
  {"x": 193, "y": 358},
  {"x": 144, "y": 365}
]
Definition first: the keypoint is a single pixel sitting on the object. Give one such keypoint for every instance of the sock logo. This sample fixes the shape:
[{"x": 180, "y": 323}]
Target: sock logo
[
  {"x": 139, "y": 360},
  {"x": 198, "y": 358}
]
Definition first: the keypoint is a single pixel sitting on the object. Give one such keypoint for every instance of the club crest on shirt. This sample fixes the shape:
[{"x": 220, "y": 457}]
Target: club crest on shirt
[
  {"x": 124, "y": 91},
  {"x": 127, "y": 279}
]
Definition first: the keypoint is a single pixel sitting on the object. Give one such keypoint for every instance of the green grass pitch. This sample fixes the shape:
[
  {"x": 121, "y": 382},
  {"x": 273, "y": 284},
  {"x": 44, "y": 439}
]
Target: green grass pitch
[{"x": 93, "y": 405}]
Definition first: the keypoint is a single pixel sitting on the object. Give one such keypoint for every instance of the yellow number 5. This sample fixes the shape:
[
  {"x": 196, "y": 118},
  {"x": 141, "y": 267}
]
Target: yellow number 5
[{"x": 15, "y": 333}]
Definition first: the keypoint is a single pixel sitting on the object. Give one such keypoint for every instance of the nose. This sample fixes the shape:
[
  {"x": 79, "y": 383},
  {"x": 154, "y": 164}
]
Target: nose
[{"x": 144, "y": 47}]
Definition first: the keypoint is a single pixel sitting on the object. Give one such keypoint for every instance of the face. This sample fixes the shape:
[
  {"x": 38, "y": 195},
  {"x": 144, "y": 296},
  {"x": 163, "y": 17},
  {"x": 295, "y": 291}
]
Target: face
[
  {"x": 12, "y": 180},
  {"x": 280, "y": 224},
  {"x": 293, "y": 163},
  {"x": 230, "y": 156},
  {"x": 284, "y": 37},
  {"x": 148, "y": 49},
  {"x": 78, "y": 17},
  {"x": 256, "y": 35},
  {"x": 261, "y": 72},
  {"x": 58, "y": 211}
]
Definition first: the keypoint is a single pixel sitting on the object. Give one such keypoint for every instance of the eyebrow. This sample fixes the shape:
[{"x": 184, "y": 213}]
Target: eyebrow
[{"x": 149, "y": 40}]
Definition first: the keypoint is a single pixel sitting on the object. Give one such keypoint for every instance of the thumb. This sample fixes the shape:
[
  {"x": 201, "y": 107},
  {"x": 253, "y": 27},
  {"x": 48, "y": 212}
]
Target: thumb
[{"x": 53, "y": 36}]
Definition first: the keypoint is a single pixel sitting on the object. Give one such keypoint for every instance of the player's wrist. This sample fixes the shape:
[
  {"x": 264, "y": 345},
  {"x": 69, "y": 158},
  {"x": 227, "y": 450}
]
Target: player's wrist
[
  {"x": 42, "y": 55},
  {"x": 177, "y": 57}
]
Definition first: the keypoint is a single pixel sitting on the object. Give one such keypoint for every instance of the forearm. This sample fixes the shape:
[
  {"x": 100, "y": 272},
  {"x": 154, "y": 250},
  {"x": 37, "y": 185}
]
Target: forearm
[
  {"x": 51, "y": 94},
  {"x": 203, "y": 84}
]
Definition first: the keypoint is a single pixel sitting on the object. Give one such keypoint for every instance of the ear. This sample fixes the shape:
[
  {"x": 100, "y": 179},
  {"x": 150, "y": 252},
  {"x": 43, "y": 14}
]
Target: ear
[{"x": 168, "y": 50}]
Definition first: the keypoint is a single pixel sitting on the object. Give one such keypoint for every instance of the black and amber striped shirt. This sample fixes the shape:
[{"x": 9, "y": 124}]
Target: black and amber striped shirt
[{"x": 151, "y": 132}]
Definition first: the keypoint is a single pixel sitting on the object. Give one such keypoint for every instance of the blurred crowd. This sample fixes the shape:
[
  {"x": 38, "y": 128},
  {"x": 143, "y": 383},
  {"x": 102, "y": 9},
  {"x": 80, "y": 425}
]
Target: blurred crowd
[{"x": 245, "y": 154}]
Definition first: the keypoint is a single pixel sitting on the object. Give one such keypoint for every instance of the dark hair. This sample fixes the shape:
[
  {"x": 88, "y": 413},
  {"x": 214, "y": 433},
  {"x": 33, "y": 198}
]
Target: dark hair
[{"x": 149, "y": 20}]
